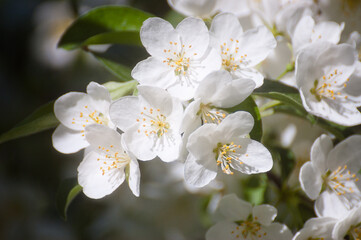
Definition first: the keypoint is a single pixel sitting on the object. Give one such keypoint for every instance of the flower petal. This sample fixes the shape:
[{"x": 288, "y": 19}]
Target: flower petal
[
  {"x": 222, "y": 230},
  {"x": 310, "y": 180},
  {"x": 98, "y": 92},
  {"x": 134, "y": 176},
  {"x": 328, "y": 204},
  {"x": 66, "y": 140},
  {"x": 197, "y": 174},
  {"x": 278, "y": 231},
  {"x": 95, "y": 185},
  {"x": 222, "y": 33},
  {"x": 233, "y": 209},
  {"x": 124, "y": 112},
  {"x": 264, "y": 214},
  {"x": 319, "y": 152}
]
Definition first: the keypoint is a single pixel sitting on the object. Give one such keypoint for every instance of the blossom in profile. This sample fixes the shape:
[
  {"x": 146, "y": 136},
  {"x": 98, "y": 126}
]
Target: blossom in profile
[
  {"x": 150, "y": 122},
  {"x": 180, "y": 58},
  {"x": 200, "y": 8},
  {"x": 106, "y": 166},
  {"x": 334, "y": 169},
  {"x": 226, "y": 145},
  {"x": 75, "y": 111},
  {"x": 317, "y": 228},
  {"x": 323, "y": 72},
  {"x": 239, "y": 220},
  {"x": 241, "y": 51}
]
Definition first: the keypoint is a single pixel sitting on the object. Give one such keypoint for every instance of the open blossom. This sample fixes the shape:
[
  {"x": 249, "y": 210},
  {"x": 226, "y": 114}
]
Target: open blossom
[
  {"x": 241, "y": 51},
  {"x": 239, "y": 220},
  {"x": 337, "y": 170},
  {"x": 180, "y": 58},
  {"x": 217, "y": 90},
  {"x": 348, "y": 227},
  {"x": 103, "y": 169},
  {"x": 226, "y": 145},
  {"x": 317, "y": 228},
  {"x": 323, "y": 73},
  {"x": 150, "y": 123},
  {"x": 75, "y": 111},
  {"x": 308, "y": 32}
]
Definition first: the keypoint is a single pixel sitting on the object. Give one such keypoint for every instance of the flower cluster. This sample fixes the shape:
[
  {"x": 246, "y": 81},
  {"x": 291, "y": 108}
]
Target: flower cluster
[{"x": 181, "y": 110}]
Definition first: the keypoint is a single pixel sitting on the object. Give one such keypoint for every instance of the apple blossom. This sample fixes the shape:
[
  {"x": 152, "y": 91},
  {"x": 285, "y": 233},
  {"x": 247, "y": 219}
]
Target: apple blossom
[
  {"x": 349, "y": 227},
  {"x": 180, "y": 58},
  {"x": 75, "y": 111},
  {"x": 226, "y": 145},
  {"x": 239, "y": 220},
  {"x": 103, "y": 169},
  {"x": 150, "y": 123},
  {"x": 336, "y": 169},
  {"x": 317, "y": 228},
  {"x": 241, "y": 51},
  {"x": 323, "y": 73}
]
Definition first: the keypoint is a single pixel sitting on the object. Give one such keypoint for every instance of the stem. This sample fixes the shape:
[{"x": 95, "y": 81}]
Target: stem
[{"x": 289, "y": 68}]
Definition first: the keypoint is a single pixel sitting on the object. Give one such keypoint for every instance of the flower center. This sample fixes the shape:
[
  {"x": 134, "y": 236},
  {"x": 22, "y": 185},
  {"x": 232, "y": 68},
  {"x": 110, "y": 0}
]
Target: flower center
[
  {"x": 329, "y": 86},
  {"x": 178, "y": 59},
  {"x": 356, "y": 232},
  {"x": 153, "y": 122},
  {"x": 226, "y": 153},
  {"x": 231, "y": 58},
  {"x": 211, "y": 115},
  {"x": 112, "y": 159},
  {"x": 90, "y": 116},
  {"x": 249, "y": 230},
  {"x": 339, "y": 179}
]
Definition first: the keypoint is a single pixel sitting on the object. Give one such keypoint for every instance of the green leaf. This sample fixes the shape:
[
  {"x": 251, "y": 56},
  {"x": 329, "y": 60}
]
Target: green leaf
[
  {"x": 104, "y": 25},
  {"x": 250, "y": 106},
  {"x": 42, "y": 119},
  {"x": 286, "y": 161},
  {"x": 117, "y": 69},
  {"x": 67, "y": 191},
  {"x": 281, "y": 92},
  {"x": 118, "y": 89},
  {"x": 254, "y": 188}
]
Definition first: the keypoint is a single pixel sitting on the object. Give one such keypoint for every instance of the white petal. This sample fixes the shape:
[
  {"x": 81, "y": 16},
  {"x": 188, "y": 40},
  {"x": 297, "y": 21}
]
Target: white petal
[
  {"x": 250, "y": 73},
  {"x": 256, "y": 44},
  {"x": 98, "y": 135},
  {"x": 328, "y": 204},
  {"x": 134, "y": 177},
  {"x": 124, "y": 112},
  {"x": 348, "y": 153},
  {"x": 254, "y": 156},
  {"x": 194, "y": 32},
  {"x": 353, "y": 88},
  {"x": 353, "y": 218},
  {"x": 302, "y": 33},
  {"x": 201, "y": 142},
  {"x": 319, "y": 152},
  {"x": 98, "y": 92},
  {"x": 310, "y": 180},
  {"x": 200, "y": 8},
  {"x": 184, "y": 92},
  {"x": 139, "y": 144},
  {"x": 152, "y": 71},
  {"x": 327, "y": 31},
  {"x": 95, "y": 185},
  {"x": 199, "y": 175},
  {"x": 157, "y": 98},
  {"x": 234, "y": 125},
  {"x": 264, "y": 214},
  {"x": 278, "y": 231},
  {"x": 234, "y": 209},
  {"x": 220, "y": 90},
  {"x": 156, "y": 34},
  {"x": 171, "y": 146},
  {"x": 191, "y": 120},
  {"x": 223, "y": 33},
  {"x": 66, "y": 140},
  {"x": 69, "y": 106},
  {"x": 222, "y": 230}
]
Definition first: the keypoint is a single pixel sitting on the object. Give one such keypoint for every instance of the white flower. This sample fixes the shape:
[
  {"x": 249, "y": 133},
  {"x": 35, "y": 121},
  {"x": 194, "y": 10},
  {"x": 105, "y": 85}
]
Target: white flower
[
  {"x": 349, "y": 225},
  {"x": 307, "y": 32},
  {"x": 227, "y": 145},
  {"x": 150, "y": 123},
  {"x": 335, "y": 168},
  {"x": 106, "y": 166},
  {"x": 241, "y": 221},
  {"x": 317, "y": 228},
  {"x": 216, "y": 91},
  {"x": 241, "y": 51},
  {"x": 323, "y": 72},
  {"x": 180, "y": 59},
  {"x": 75, "y": 111}
]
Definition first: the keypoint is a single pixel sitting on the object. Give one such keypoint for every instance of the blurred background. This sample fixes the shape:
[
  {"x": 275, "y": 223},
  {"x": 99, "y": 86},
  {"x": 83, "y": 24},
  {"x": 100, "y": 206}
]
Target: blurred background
[{"x": 33, "y": 72}]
